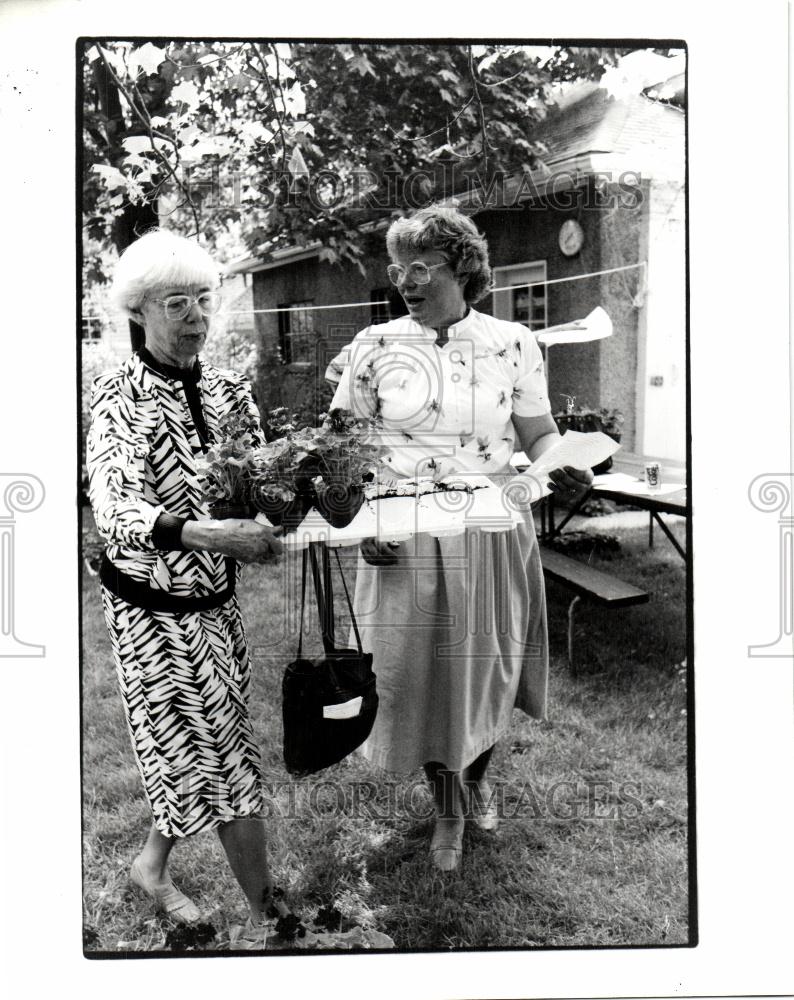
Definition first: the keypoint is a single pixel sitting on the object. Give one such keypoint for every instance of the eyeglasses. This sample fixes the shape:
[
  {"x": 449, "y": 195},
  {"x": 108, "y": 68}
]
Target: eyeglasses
[
  {"x": 418, "y": 272},
  {"x": 178, "y": 306}
]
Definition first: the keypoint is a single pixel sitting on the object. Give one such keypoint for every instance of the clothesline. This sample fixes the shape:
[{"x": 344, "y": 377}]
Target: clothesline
[{"x": 385, "y": 302}]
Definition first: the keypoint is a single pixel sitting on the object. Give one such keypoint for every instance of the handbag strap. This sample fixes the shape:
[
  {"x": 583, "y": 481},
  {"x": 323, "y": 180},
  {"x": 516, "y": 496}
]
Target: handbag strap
[
  {"x": 322, "y": 605},
  {"x": 323, "y": 590},
  {"x": 303, "y": 603},
  {"x": 349, "y": 604},
  {"x": 325, "y": 598}
]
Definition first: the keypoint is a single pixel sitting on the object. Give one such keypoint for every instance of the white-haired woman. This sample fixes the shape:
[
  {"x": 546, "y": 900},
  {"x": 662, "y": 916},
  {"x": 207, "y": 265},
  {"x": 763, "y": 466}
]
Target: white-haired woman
[
  {"x": 169, "y": 573},
  {"x": 456, "y": 625}
]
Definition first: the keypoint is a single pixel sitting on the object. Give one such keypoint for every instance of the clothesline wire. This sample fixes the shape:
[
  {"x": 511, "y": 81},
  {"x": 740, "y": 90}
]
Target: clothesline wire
[{"x": 385, "y": 302}]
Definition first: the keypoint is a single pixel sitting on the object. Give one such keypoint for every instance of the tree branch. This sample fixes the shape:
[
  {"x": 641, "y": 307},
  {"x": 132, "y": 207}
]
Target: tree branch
[
  {"x": 143, "y": 117},
  {"x": 428, "y": 135},
  {"x": 481, "y": 110},
  {"x": 279, "y": 121}
]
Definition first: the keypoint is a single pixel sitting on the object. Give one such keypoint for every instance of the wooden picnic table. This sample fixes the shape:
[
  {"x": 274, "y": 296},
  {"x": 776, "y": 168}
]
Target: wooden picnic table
[{"x": 624, "y": 489}]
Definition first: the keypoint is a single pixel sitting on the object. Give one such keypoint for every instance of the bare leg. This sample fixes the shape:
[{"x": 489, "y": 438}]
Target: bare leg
[
  {"x": 245, "y": 845},
  {"x": 150, "y": 873},
  {"x": 478, "y": 793},
  {"x": 153, "y": 859},
  {"x": 445, "y": 785},
  {"x": 476, "y": 770}
]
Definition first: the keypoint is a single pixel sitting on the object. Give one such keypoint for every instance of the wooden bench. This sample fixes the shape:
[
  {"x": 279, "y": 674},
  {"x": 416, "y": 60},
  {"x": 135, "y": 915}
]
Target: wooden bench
[{"x": 593, "y": 584}]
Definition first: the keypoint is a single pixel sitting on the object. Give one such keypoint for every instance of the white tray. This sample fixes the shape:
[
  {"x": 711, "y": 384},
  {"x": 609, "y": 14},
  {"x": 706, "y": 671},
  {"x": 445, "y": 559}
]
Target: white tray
[{"x": 396, "y": 518}]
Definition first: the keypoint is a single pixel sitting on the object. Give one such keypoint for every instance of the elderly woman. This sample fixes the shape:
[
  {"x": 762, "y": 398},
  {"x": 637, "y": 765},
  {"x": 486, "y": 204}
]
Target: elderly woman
[
  {"x": 456, "y": 625},
  {"x": 169, "y": 573}
]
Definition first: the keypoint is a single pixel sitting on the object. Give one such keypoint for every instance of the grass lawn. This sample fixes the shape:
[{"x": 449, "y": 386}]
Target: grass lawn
[{"x": 593, "y": 846}]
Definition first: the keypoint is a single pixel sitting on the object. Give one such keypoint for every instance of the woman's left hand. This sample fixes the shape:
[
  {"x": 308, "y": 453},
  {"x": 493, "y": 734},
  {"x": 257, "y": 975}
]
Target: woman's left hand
[{"x": 571, "y": 482}]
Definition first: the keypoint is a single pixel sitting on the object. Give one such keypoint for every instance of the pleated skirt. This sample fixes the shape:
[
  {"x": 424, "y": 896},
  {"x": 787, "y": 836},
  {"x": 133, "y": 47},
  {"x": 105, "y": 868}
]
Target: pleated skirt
[
  {"x": 458, "y": 633},
  {"x": 184, "y": 682}
]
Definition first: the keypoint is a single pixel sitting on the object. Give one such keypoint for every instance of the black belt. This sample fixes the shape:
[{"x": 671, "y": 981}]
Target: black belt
[{"x": 140, "y": 595}]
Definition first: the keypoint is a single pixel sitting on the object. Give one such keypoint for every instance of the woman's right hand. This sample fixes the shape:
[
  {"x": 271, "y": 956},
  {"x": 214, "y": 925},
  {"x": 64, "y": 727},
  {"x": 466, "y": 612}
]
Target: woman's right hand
[
  {"x": 379, "y": 553},
  {"x": 240, "y": 539}
]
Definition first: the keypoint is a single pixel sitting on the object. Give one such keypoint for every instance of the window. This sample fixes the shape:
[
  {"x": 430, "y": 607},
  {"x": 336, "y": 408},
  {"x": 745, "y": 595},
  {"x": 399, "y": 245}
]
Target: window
[
  {"x": 522, "y": 304},
  {"x": 92, "y": 329},
  {"x": 391, "y": 309},
  {"x": 296, "y": 331}
]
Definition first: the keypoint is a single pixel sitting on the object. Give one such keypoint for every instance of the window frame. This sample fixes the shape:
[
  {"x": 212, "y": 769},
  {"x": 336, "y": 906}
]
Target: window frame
[
  {"x": 286, "y": 333},
  {"x": 503, "y": 301},
  {"x": 91, "y": 331}
]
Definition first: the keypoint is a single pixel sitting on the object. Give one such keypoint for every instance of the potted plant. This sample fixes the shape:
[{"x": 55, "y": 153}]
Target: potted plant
[
  {"x": 281, "y": 488},
  {"x": 344, "y": 462},
  {"x": 585, "y": 419},
  {"x": 227, "y": 470},
  {"x": 298, "y": 468}
]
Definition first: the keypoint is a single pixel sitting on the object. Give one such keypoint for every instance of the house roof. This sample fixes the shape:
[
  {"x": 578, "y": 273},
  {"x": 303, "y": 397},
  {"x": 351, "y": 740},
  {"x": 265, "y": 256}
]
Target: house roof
[
  {"x": 264, "y": 259},
  {"x": 599, "y": 123}
]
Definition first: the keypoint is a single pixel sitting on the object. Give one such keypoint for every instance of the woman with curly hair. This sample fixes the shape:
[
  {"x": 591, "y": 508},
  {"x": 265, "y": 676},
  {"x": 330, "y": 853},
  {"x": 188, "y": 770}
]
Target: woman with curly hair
[{"x": 456, "y": 624}]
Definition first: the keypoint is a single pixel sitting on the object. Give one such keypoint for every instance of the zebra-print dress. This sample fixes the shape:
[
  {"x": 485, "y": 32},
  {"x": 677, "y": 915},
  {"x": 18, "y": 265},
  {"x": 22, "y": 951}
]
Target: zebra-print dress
[{"x": 184, "y": 678}]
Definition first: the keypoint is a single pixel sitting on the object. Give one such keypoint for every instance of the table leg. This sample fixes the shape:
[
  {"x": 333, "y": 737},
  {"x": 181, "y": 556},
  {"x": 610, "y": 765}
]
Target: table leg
[
  {"x": 673, "y": 540},
  {"x": 650, "y": 529},
  {"x": 571, "y": 513},
  {"x": 571, "y": 609}
]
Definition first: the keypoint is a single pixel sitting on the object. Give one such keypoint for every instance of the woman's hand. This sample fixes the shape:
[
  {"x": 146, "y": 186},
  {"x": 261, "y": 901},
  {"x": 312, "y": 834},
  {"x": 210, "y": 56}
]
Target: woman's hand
[
  {"x": 379, "y": 553},
  {"x": 244, "y": 540},
  {"x": 571, "y": 482}
]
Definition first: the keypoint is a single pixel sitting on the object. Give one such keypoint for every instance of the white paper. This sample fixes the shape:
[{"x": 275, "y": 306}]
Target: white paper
[
  {"x": 347, "y": 710},
  {"x": 595, "y": 326},
  {"x": 576, "y": 449}
]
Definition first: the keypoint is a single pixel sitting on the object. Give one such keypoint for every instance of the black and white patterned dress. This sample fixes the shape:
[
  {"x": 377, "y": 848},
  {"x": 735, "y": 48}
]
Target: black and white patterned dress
[{"x": 184, "y": 677}]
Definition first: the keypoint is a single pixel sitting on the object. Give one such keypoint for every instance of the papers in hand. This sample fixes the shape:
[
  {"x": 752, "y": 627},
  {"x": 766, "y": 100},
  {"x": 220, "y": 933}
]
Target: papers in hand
[{"x": 575, "y": 449}]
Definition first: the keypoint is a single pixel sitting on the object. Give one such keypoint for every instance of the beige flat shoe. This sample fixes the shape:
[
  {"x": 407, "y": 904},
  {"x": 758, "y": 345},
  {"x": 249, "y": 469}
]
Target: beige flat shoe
[
  {"x": 446, "y": 847},
  {"x": 167, "y": 898}
]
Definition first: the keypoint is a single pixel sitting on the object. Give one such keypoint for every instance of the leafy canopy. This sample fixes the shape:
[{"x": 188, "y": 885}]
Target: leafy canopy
[{"x": 259, "y": 144}]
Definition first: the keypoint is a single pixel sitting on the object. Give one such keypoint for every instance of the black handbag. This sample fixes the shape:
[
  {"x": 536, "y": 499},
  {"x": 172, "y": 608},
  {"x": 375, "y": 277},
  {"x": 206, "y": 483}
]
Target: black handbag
[{"x": 328, "y": 705}]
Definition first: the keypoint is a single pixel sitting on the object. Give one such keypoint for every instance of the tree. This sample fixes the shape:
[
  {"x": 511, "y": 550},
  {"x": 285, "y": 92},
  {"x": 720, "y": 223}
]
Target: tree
[{"x": 281, "y": 144}]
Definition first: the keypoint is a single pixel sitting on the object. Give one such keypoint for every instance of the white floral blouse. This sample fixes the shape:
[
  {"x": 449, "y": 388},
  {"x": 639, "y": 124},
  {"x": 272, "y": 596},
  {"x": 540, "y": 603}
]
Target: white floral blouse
[{"x": 443, "y": 410}]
